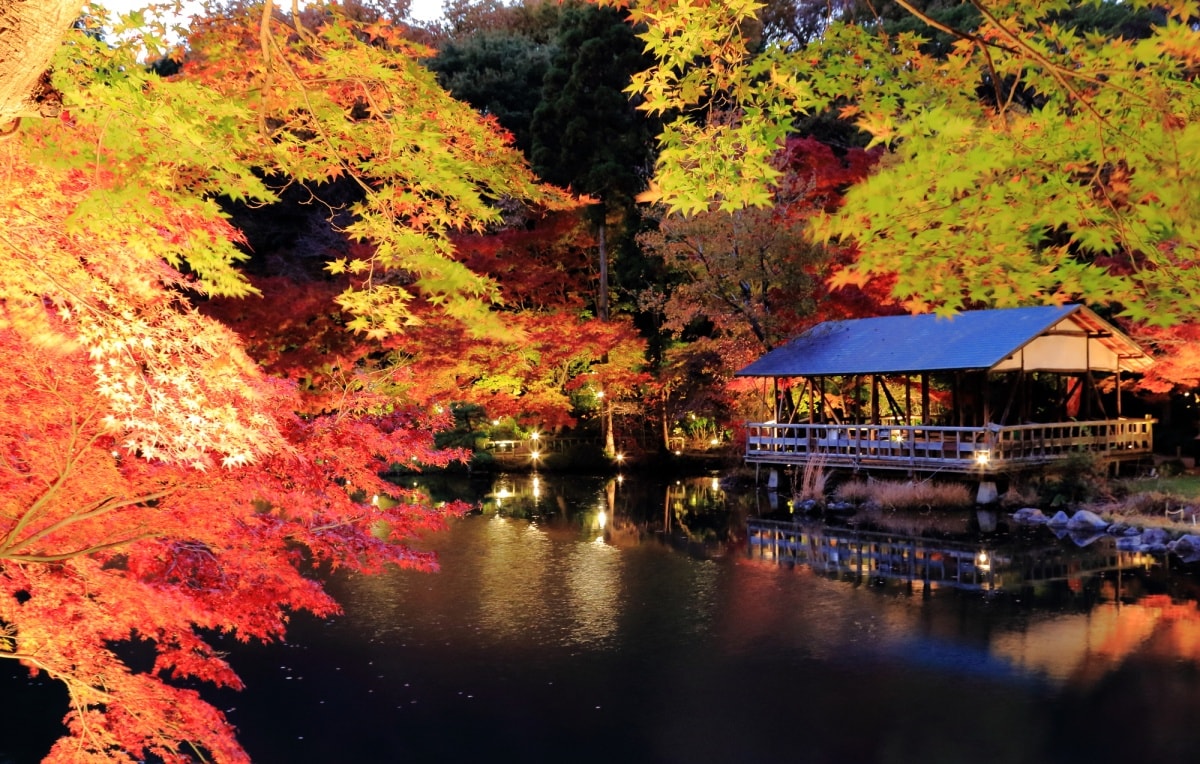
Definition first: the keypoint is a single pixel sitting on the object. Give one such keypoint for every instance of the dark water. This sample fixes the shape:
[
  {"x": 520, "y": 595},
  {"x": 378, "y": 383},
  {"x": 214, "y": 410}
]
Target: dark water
[{"x": 617, "y": 623}]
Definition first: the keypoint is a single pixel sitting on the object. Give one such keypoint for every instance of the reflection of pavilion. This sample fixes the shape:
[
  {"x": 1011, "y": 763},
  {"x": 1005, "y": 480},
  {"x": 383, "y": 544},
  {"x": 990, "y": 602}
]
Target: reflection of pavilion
[{"x": 925, "y": 562}]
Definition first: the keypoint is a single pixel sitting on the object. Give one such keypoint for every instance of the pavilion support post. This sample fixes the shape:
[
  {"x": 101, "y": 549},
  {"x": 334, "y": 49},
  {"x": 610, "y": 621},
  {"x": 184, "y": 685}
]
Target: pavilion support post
[
  {"x": 825, "y": 403},
  {"x": 925, "y": 398},
  {"x": 908, "y": 400},
  {"x": 874, "y": 399},
  {"x": 1118, "y": 387},
  {"x": 1088, "y": 388}
]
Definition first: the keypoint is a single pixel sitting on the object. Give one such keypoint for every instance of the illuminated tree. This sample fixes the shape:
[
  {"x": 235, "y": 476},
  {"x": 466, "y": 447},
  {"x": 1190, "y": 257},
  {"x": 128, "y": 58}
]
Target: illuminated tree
[
  {"x": 158, "y": 485},
  {"x": 1039, "y": 160}
]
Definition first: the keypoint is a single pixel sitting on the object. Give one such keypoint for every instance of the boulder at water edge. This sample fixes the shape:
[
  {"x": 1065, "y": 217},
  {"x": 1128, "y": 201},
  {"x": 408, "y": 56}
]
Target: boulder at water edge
[
  {"x": 1029, "y": 516},
  {"x": 1085, "y": 520},
  {"x": 1059, "y": 520},
  {"x": 1156, "y": 536},
  {"x": 1187, "y": 547}
]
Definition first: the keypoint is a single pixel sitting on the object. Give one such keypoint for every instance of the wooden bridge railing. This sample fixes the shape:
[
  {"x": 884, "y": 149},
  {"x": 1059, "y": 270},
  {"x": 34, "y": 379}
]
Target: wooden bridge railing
[{"x": 992, "y": 448}]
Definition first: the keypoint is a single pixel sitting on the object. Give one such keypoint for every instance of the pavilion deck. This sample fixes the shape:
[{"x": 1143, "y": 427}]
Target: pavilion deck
[{"x": 984, "y": 450}]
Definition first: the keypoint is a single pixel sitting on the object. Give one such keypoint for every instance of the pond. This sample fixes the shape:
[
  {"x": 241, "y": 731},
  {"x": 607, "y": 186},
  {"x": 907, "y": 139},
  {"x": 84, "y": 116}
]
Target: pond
[{"x": 591, "y": 620}]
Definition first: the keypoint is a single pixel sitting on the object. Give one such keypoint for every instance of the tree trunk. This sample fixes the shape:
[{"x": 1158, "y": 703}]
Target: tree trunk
[
  {"x": 30, "y": 31},
  {"x": 610, "y": 442},
  {"x": 602, "y": 298},
  {"x": 664, "y": 423}
]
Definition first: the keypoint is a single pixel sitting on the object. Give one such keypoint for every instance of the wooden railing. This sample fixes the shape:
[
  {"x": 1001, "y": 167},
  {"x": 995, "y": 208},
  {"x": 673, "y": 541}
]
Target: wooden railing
[{"x": 992, "y": 448}]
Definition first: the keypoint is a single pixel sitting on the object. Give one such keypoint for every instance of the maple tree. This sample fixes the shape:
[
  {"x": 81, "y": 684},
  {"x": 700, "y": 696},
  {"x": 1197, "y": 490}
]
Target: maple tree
[
  {"x": 748, "y": 280},
  {"x": 158, "y": 484},
  {"x": 752, "y": 273},
  {"x": 1037, "y": 160}
]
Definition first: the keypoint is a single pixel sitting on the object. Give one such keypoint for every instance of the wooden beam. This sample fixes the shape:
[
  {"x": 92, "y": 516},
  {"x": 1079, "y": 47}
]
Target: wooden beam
[
  {"x": 874, "y": 399},
  {"x": 908, "y": 400},
  {"x": 925, "y": 397}
]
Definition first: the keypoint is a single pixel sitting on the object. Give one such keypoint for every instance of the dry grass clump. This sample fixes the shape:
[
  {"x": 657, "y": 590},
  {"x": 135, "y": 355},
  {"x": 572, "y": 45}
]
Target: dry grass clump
[
  {"x": 856, "y": 491},
  {"x": 1017, "y": 497},
  {"x": 892, "y": 494},
  {"x": 1152, "y": 509},
  {"x": 811, "y": 485}
]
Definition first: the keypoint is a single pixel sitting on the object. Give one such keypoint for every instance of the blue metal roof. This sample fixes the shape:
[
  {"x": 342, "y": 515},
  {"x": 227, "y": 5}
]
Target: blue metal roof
[{"x": 977, "y": 339}]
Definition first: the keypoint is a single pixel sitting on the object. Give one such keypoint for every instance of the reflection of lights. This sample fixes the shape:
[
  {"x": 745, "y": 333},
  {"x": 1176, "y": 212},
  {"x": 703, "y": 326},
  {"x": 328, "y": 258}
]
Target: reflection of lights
[
  {"x": 620, "y": 478},
  {"x": 716, "y": 484},
  {"x": 982, "y": 561},
  {"x": 679, "y": 453},
  {"x": 602, "y": 519},
  {"x": 535, "y": 455},
  {"x": 537, "y": 488},
  {"x": 983, "y": 457}
]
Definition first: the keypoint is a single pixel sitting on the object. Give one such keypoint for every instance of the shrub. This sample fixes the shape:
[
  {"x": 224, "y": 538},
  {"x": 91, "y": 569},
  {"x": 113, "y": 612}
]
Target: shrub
[{"x": 1076, "y": 480}]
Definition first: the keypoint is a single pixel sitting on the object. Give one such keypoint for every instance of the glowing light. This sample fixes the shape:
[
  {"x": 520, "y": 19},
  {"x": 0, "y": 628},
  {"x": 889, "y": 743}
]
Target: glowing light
[
  {"x": 602, "y": 519},
  {"x": 375, "y": 500},
  {"x": 503, "y": 493},
  {"x": 535, "y": 455},
  {"x": 599, "y": 393},
  {"x": 714, "y": 442},
  {"x": 983, "y": 457},
  {"x": 982, "y": 561},
  {"x": 495, "y": 422},
  {"x": 620, "y": 457},
  {"x": 535, "y": 435},
  {"x": 716, "y": 484},
  {"x": 679, "y": 453}
]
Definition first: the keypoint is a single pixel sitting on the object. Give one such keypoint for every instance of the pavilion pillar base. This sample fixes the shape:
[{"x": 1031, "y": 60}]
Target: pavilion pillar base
[{"x": 987, "y": 492}]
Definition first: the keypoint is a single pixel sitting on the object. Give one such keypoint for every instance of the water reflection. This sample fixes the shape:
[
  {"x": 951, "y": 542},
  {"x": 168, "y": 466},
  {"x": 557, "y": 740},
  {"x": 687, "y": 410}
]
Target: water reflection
[
  {"x": 928, "y": 563},
  {"x": 585, "y": 620}
]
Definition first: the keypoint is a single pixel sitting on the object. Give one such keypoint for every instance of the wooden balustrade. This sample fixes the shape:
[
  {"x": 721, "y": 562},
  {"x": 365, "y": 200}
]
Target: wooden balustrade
[{"x": 993, "y": 448}]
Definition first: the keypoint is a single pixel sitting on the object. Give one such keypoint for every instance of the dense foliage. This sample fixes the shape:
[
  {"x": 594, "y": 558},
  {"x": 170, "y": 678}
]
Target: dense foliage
[{"x": 1035, "y": 161}]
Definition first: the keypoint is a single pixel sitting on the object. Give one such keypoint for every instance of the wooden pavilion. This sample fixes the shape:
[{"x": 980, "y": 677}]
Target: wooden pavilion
[{"x": 982, "y": 392}]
